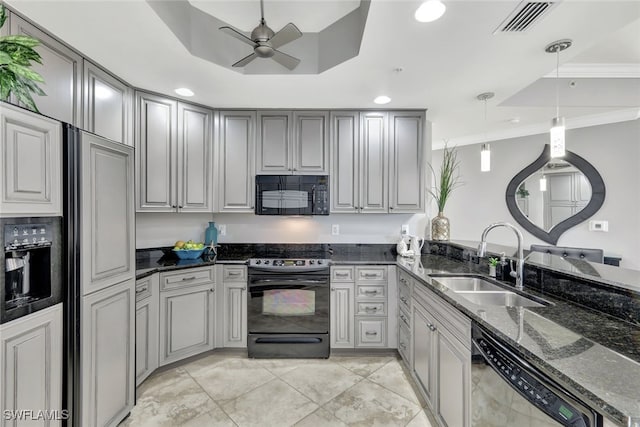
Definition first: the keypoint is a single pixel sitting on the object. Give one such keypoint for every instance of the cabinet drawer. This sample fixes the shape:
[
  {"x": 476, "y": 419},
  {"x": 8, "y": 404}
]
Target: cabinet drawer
[
  {"x": 371, "y": 308},
  {"x": 404, "y": 343},
  {"x": 371, "y": 332},
  {"x": 143, "y": 288},
  {"x": 186, "y": 278},
  {"x": 234, "y": 273},
  {"x": 404, "y": 297},
  {"x": 404, "y": 279},
  {"x": 405, "y": 318},
  {"x": 371, "y": 274},
  {"x": 342, "y": 274},
  {"x": 371, "y": 291}
]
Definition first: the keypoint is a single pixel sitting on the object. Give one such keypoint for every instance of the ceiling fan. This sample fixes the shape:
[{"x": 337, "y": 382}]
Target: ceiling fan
[{"x": 265, "y": 42}]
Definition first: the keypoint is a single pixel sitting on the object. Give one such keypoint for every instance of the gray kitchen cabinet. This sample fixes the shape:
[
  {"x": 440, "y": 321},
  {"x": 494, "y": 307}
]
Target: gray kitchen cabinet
[
  {"x": 108, "y": 105},
  {"x": 147, "y": 326},
  {"x": 31, "y": 363},
  {"x": 187, "y": 314},
  {"x": 235, "y": 306},
  {"x": 107, "y": 355},
  {"x": 342, "y": 316},
  {"x": 360, "y": 162},
  {"x": 424, "y": 345},
  {"x": 31, "y": 159},
  {"x": 292, "y": 142},
  {"x": 405, "y": 322},
  {"x": 61, "y": 70},
  {"x": 175, "y": 155},
  {"x": 236, "y": 161},
  {"x": 406, "y": 164},
  {"x": 108, "y": 219},
  {"x": 454, "y": 381}
]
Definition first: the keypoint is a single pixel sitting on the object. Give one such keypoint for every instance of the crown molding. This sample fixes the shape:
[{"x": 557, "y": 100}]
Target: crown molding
[
  {"x": 598, "y": 71},
  {"x": 541, "y": 128}
]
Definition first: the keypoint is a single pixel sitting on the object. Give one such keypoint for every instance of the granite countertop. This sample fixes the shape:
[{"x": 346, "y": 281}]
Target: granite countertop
[{"x": 593, "y": 354}]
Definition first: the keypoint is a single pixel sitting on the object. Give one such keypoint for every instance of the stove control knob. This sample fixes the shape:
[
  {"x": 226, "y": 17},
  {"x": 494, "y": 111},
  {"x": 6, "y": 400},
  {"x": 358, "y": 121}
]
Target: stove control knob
[
  {"x": 258, "y": 262},
  {"x": 311, "y": 261},
  {"x": 319, "y": 261},
  {"x": 266, "y": 261}
]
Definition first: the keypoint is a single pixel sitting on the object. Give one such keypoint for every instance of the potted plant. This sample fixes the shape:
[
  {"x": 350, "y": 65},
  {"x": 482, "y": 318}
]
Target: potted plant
[
  {"x": 522, "y": 191},
  {"x": 16, "y": 76},
  {"x": 444, "y": 184}
]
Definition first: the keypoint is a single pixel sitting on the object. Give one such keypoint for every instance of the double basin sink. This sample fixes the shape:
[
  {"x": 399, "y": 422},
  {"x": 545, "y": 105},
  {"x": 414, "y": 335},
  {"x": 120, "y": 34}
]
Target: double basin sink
[{"x": 483, "y": 292}]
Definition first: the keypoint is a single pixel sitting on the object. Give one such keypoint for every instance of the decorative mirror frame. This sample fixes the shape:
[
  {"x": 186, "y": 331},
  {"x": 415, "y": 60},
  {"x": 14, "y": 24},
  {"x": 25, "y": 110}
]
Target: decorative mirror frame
[{"x": 598, "y": 193}]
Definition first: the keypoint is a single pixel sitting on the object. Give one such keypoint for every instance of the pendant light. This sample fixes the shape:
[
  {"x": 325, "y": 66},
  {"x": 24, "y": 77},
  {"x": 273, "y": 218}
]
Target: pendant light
[
  {"x": 556, "y": 133},
  {"x": 485, "y": 151},
  {"x": 543, "y": 183}
]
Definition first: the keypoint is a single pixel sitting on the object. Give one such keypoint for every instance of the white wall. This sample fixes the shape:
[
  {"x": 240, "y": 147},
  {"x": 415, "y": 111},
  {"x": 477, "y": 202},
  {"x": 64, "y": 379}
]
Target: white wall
[
  {"x": 163, "y": 229},
  {"x": 614, "y": 150}
]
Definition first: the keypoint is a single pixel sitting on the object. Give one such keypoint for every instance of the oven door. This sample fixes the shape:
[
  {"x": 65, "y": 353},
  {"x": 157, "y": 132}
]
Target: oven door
[{"x": 288, "y": 303}]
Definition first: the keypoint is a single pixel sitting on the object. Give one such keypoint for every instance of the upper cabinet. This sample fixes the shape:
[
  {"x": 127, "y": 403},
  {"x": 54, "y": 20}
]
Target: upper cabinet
[
  {"x": 377, "y": 162},
  {"x": 107, "y": 105},
  {"x": 31, "y": 159},
  {"x": 61, "y": 69},
  {"x": 236, "y": 142},
  {"x": 174, "y": 155},
  {"x": 292, "y": 142}
]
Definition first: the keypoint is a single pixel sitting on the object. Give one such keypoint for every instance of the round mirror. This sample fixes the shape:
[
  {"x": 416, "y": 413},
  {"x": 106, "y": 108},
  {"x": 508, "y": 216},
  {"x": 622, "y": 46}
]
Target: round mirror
[{"x": 552, "y": 195}]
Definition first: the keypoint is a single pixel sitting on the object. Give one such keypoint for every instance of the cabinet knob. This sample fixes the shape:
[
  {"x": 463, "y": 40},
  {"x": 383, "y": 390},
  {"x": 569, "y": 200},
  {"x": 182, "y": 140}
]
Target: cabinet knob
[
  {"x": 432, "y": 327},
  {"x": 180, "y": 206},
  {"x": 404, "y": 347},
  {"x": 174, "y": 206},
  {"x": 212, "y": 290},
  {"x": 390, "y": 207},
  {"x": 333, "y": 289}
]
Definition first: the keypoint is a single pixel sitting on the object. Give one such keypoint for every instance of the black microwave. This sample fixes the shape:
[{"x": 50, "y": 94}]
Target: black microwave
[{"x": 292, "y": 195}]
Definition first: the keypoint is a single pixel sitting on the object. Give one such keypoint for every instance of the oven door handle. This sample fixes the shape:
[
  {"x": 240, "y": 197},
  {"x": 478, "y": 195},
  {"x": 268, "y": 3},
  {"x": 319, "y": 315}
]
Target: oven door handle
[{"x": 303, "y": 281}]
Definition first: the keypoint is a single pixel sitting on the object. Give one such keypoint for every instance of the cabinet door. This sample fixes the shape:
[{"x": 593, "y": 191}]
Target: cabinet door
[
  {"x": 371, "y": 332},
  {"x": 423, "y": 344},
  {"x": 342, "y": 316},
  {"x": 107, "y": 105},
  {"x": 236, "y": 171},
  {"x": 454, "y": 381},
  {"x": 273, "y": 152},
  {"x": 31, "y": 159},
  {"x": 195, "y": 149},
  {"x": 310, "y": 142},
  {"x": 147, "y": 324},
  {"x": 61, "y": 70},
  {"x": 186, "y": 322},
  {"x": 156, "y": 169},
  {"x": 108, "y": 355},
  {"x": 108, "y": 216},
  {"x": 31, "y": 363},
  {"x": 345, "y": 182},
  {"x": 235, "y": 314},
  {"x": 374, "y": 163},
  {"x": 406, "y": 145}
]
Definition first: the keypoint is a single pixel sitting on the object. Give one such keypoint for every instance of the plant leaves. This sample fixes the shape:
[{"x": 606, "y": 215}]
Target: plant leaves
[
  {"x": 5, "y": 58},
  {"x": 3, "y": 15},
  {"x": 25, "y": 41},
  {"x": 23, "y": 71}
]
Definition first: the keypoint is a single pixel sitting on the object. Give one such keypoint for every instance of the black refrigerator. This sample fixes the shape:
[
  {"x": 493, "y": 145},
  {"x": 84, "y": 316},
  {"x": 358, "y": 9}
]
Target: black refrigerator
[{"x": 99, "y": 274}]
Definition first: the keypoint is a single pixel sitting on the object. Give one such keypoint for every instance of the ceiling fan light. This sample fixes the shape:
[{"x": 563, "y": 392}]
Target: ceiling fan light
[
  {"x": 382, "y": 99},
  {"x": 556, "y": 137},
  {"x": 430, "y": 10},
  {"x": 183, "y": 91}
]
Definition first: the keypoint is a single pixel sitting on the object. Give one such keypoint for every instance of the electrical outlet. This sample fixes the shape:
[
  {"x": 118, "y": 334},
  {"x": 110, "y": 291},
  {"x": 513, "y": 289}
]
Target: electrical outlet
[
  {"x": 405, "y": 229},
  {"x": 222, "y": 229},
  {"x": 598, "y": 225},
  {"x": 335, "y": 229}
]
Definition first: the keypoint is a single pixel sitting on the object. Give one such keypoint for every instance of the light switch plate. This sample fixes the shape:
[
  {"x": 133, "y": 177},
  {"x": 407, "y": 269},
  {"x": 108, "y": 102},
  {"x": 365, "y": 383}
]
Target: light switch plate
[
  {"x": 335, "y": 229},
  {"x": 598, "y": 225},
  {"x": 405, "y": 229},
  {"x": 222, "y": 229}
]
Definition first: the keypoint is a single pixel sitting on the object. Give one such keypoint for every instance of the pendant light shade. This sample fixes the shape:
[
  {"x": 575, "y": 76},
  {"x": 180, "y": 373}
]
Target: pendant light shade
[
  {"x": 556, "y": 133},
  {"x": 485, "y": 151},
  {"x": 543, "y": 183}
]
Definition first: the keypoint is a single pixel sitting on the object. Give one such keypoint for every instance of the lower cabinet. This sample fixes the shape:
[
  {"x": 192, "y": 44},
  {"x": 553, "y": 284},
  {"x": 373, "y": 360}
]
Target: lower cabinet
[
  {"x": 147, "y": 324},
  {"x": 441, "y": 342},
  {"x": 235, "y": 306},
  {"x": 342, "y": 303},
  {"x": 108, "y": 355},
  {"x": 31, "y": 363}
]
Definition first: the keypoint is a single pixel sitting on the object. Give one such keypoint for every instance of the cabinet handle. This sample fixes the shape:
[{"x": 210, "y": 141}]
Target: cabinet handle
[
  {"x": 173, "y": 206},
  {"x": 432, "y": 327},
  {"x": 370, "y": 275},
  {"x": 333, "y": 289},
  {"x": 404, "y": 319},
  {"x": 390, "y": 207},
  {"x": 403, "y": 299},
  {"x": 141, "y": 290},
  {"x": 369, "y": 333},
  {"x": 180, "y": 206},
  {"x": 234, "y": 273},
  {"x": 404, "y": 347},
  {"x": 370, "y": 292},
  {"x": 342, "y": 274},
  {"x": 185, "y": 279},
  {"x": 371, "y": 309}
]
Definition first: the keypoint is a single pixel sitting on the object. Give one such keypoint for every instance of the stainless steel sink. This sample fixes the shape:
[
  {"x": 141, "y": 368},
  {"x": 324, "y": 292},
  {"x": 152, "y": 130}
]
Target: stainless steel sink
[
  {"x": 501, "y": 299},
  {"x": 462, "y": 283}
]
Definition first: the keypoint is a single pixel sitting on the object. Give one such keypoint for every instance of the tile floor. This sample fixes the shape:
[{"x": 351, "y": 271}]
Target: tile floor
[{"x": 232, "y": 390}]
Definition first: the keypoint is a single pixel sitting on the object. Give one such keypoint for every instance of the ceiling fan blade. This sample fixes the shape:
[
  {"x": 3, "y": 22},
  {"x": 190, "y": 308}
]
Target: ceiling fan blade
[
  {"x": 244, "y": 61},
  {"x": 237, "y": 34},
  {"x": 285, "y": 60},
  {"x": 287, "y": 34}
]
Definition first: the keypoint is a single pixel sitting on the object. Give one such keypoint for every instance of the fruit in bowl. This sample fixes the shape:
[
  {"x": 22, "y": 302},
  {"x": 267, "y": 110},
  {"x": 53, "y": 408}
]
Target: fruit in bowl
[{"x": 188, "y": 249}]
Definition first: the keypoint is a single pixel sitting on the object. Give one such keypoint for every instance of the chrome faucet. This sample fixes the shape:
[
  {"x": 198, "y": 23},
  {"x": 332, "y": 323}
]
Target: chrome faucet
[{"x": 482, "y": 250}]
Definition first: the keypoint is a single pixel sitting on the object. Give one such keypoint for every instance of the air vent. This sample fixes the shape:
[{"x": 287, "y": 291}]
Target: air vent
[{"x": 524, "y": 16}]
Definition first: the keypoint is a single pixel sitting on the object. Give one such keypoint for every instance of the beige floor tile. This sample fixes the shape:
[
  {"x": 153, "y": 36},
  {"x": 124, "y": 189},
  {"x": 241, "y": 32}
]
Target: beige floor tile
[
  {"x": 321, "y": 418},
  {"x": 392, "y": 376},
  {"x": 420, "y": 420},
  {"x": 279, "y": 367},
  {"x": 274, "y": 404},
  {"x": 368, "y": 404},
  {"x": 230, "y": 378},
  {"x": 363, "y": 366},
  {"x": 321, "y": 382}
]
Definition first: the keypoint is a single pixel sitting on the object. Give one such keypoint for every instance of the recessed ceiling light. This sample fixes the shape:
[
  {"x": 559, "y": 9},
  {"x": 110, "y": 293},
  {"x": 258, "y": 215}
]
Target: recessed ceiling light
[
  {"x": 430, "y": 10},
  {"x": 183, "y": 91},
  {"x": 514, "y": 121},
  {"x": 382, "y": 99}
]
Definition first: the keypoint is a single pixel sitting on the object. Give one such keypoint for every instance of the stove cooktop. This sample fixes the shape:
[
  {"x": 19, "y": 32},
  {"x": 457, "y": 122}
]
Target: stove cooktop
[{"x": 297, "y": 264}]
